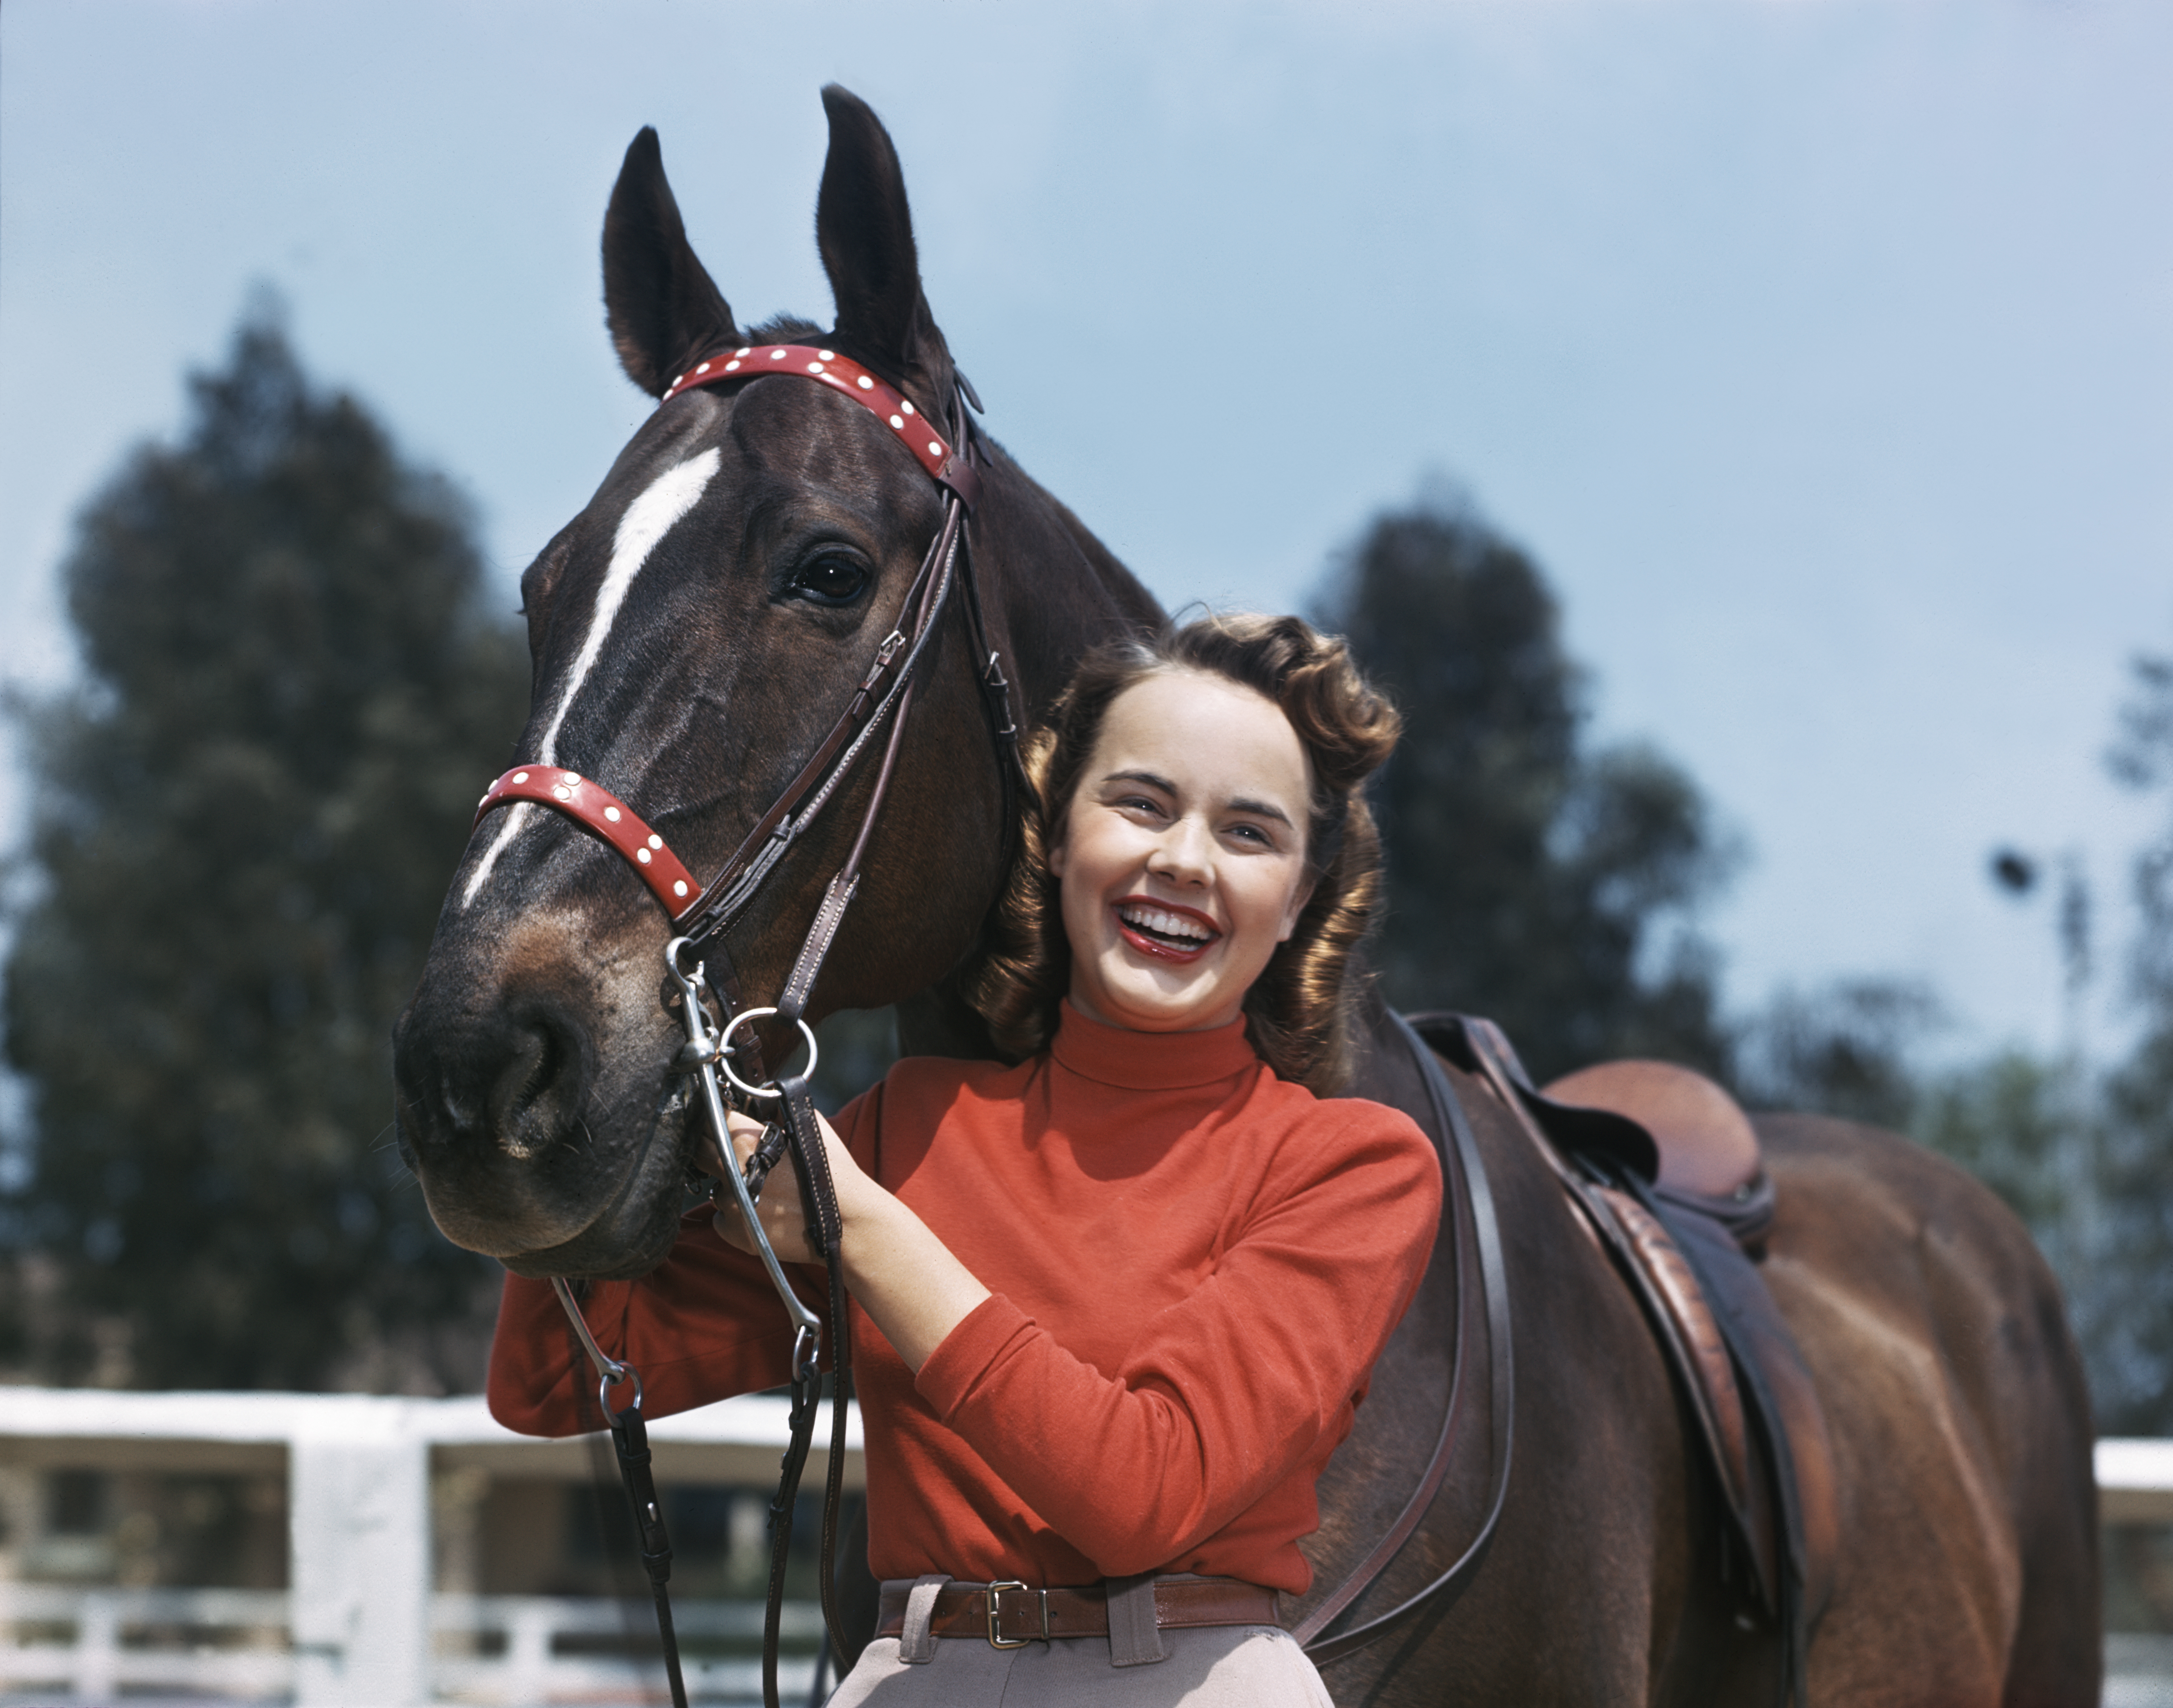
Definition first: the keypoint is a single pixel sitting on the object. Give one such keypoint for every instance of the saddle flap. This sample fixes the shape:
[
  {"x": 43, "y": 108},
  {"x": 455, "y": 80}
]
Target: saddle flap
[
  {"x": 1681, "y": 1228},
  {"x": 1697, "y": 1348}
]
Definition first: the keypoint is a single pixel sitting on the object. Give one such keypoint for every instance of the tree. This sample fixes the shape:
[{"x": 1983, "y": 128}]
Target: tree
[
  {"x": 1846, "y": 1048},
  {"x": 1531, "y": 878},
  {"x": 2129, "y": 1322},
  {"x": 243, "y": 823}
]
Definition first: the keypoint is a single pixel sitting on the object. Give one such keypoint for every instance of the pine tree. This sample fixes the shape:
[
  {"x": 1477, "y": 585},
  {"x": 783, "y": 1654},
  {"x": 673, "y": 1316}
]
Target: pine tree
[
  {"x": 1531, "y": 878},
  {"x": 244, "y": 819}
]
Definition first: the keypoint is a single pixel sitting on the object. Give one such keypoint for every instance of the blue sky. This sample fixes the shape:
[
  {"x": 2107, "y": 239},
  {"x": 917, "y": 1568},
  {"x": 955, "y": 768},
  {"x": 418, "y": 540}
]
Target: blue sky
[{"x": 1822, "y": 350}]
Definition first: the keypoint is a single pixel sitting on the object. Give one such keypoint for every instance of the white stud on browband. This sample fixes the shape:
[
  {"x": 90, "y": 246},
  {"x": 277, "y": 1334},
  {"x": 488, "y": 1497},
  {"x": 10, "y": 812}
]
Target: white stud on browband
[
  {"x": 562, "y": 792},
  {"x": 777, "y": 354},
  {"x": 814, "y": 367},
  {"x": 702, "y": 368},
  {"x": 521, "y": 776},
  {"x": 898, "y": 422},
  {"x": 906, "y": 406},
  {"x": 656, "y": 841},
  {"x": 611, "y": 814},
  {"x": 679, "y": 886},
  {"x": 730, "y": 365},
  {"x": 743, "y": 349},
  {"x": 866, "y": 384},
  {"x": 828, "y": 355},
  {"x": 642, "y": 855},
  {"x": 934, "y": 449}
]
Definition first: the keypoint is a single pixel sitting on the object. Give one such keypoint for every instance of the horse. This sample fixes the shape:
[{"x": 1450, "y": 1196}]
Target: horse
[{"x": 693, "y": 632}]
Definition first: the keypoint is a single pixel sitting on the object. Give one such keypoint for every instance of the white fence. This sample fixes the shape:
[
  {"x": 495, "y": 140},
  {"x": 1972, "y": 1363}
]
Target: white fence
[{"x": 361, "y": 1622}]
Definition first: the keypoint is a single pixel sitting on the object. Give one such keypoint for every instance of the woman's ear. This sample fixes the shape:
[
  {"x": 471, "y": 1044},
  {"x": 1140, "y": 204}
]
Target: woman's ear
[{"x": 1055, "y": 859}]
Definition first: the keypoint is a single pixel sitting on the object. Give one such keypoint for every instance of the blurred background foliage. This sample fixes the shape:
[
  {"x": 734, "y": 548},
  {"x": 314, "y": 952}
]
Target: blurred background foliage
[
  {"x": 242, "y": 822},
  {"x": 246, "y": 814}
]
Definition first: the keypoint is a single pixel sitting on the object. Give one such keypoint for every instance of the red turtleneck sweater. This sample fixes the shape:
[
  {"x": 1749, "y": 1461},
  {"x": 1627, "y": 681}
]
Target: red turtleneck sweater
[{"x": 1192, "y": 1265}]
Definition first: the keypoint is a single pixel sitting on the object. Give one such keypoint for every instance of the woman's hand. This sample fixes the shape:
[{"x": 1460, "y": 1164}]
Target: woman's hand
[
  {"x": 783, "y": 1211},
  {"x": 905, "y": 1278}
]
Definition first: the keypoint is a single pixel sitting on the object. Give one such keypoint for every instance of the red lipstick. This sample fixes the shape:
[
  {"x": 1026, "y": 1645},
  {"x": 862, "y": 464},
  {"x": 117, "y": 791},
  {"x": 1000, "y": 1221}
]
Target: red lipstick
[{"x": 1181, "y": 951}]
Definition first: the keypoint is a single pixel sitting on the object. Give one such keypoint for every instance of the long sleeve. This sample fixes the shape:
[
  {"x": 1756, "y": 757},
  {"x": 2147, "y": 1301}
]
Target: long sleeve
[
  {"x": 1223, "y": 1395},
  {"x": 1192, "y": 1267}
]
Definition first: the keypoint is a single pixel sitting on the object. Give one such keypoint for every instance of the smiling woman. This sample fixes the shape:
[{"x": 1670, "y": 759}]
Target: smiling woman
[
  {"x": 1220, "y": 765},
  {"x": 1115, "y": 1305}
]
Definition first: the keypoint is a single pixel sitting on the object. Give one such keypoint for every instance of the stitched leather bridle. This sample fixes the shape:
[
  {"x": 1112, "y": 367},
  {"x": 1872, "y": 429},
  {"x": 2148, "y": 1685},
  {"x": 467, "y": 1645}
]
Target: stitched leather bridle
[{"x": 700, "y": 964}]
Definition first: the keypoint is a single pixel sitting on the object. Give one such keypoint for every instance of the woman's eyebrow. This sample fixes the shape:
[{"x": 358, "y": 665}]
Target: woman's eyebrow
[
  {"x": 1259, "y": 809},
  {"x": 1149, "y": 778}
]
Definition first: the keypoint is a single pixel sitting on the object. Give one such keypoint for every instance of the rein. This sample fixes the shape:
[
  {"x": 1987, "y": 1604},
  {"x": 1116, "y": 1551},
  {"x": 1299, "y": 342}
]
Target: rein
[{"x": 703, "y": 913}]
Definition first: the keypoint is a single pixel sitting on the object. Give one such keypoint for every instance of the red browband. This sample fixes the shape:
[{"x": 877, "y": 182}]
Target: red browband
[
  {"x": 841, "y": 374},
  {"x": 596, "y": 808}
]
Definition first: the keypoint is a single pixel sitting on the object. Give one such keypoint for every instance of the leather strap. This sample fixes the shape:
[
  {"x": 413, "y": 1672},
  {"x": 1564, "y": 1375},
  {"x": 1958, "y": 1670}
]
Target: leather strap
[
  {"x": 630, "y": 1438},
  {"x": 1439, "y": 1596},
  {"x": 1025, "y": 1615},
  {"x": 792, "y": 1003},
  {"x": 949, "y": 467},
  {"x": 1470, "y": 1322},
  {"x": 807, "y": 1396},
  {"x": 602, "y": 815},
  {"x": 818, "y": 1194}
]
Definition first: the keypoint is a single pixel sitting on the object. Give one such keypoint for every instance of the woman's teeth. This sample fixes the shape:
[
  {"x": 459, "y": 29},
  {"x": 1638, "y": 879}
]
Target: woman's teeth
[{"x": 1162, "y": 924}]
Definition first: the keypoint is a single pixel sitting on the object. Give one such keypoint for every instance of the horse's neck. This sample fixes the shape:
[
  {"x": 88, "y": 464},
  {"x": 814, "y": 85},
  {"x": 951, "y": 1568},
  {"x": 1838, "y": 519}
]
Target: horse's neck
[
  {"x": 939, "y": 1021},
  {"x": 1053, "y": 589},
  {"x": 1386, "y": 1071}
]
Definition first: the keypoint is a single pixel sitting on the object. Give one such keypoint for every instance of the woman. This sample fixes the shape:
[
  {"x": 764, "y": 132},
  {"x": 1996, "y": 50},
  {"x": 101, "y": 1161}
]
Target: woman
[{"x": 1114, "y": 1305}]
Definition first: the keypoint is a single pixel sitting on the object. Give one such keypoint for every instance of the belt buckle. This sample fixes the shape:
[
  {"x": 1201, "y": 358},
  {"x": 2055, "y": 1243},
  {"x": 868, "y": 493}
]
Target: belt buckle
[{"x": 997, "y": 1640}]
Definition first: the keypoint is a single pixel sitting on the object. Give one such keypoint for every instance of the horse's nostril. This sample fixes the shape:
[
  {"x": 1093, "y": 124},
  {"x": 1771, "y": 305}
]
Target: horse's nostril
[{"x": 535, "y": 1098}]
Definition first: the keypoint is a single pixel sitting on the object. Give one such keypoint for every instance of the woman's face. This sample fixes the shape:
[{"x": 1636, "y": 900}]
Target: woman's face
[{"x": 1183, "y": 857}]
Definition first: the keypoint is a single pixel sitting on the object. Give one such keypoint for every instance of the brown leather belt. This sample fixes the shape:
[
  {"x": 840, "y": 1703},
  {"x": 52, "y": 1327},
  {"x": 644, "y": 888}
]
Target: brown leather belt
[{"x": 1008, "y": 1615}]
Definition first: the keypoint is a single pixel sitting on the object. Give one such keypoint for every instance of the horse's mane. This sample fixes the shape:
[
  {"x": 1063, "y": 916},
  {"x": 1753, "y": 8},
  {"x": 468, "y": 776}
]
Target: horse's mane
[{"x": 783, "y": 329}]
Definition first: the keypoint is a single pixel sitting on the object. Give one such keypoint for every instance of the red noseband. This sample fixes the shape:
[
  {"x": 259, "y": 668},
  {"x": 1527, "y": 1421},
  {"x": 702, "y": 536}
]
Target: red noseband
[{"x": 603, "y": 814}]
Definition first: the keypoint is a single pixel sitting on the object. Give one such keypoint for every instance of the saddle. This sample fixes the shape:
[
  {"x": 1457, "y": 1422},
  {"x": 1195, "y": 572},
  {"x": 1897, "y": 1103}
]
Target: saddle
[{"x": 1666, "y": 1172}]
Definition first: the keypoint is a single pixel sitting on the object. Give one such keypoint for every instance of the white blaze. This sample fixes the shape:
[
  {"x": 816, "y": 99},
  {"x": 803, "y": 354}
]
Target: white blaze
[{"x": 647, "y": 520}]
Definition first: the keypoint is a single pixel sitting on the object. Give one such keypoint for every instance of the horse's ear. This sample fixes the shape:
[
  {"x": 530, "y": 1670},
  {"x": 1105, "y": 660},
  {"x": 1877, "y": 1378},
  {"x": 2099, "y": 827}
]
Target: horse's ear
[
  {"x": 665, "y": 310},
  {"x": 865, "y": 231}
]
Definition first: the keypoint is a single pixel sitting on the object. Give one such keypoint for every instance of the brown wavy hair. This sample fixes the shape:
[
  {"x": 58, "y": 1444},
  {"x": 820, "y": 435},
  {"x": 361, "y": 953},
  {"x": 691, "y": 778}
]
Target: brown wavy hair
[{"x": 1300, "y": 1012}]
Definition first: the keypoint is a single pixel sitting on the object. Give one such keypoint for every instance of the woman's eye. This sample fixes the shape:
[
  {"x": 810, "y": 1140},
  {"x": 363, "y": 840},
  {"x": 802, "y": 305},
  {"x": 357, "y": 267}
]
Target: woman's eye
[{"x": 833, "y": 579}]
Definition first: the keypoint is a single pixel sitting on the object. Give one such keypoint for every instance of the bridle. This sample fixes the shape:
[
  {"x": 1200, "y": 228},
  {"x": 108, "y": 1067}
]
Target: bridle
[{"x": 702, "y": 914}]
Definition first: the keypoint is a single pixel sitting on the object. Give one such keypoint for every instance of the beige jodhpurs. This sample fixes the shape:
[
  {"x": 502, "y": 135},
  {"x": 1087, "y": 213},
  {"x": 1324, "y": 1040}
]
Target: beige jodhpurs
[{"x": 1205, "y": 1666}]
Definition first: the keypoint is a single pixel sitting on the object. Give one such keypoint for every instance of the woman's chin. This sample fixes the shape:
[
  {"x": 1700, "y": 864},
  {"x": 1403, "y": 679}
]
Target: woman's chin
[{"x": 1150, "y": 1006}]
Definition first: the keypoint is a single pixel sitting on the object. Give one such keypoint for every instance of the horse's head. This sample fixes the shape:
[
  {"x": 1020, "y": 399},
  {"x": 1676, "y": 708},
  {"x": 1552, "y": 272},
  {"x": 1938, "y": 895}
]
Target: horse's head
[{"x": 695, "y": 632}]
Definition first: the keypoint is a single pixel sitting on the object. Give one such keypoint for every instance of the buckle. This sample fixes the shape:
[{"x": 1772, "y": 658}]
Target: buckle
[{"x": 997, "y": 1640}]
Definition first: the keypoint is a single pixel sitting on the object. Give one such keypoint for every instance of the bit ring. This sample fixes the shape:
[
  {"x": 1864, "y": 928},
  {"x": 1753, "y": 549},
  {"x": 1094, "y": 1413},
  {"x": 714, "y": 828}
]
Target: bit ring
[{"x": 723, "y": 1051}]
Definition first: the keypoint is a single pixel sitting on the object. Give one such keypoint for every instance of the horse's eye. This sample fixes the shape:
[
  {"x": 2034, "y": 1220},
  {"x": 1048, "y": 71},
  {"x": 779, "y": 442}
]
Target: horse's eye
[{"x": 831, "y": 579}]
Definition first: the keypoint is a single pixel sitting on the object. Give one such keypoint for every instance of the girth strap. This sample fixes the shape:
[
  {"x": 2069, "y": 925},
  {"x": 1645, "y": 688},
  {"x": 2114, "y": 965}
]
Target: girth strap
[{"x": 1482, "y": 1298}]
